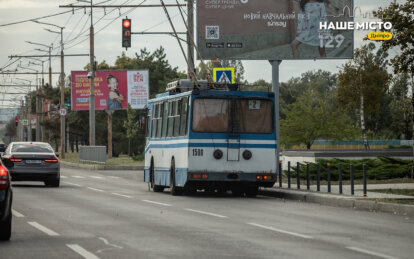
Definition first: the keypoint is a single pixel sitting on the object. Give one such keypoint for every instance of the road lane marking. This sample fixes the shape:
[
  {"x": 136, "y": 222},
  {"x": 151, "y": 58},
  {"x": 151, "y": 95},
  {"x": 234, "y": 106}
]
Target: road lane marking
[
  {"x": 63, "y": 177},
  {"x": 357, "y": 249},
  {"x": 158, "y": 203},
  {"x": 114, "y": 177},
  {"x": 122, "y": 195},
  {"x": 78, "y": 176},
  {"x": 74, "y": 184},
  {"x": 17, "y": 214},
  {"x": 43, "y": 228},
  {"x": 206, "y": 213},
  {"x": 94, "y": 189},
  {"x": 281, "y": 231},
  {"x": 82, "y": 251},
  {"x": 96, "y": 177}
]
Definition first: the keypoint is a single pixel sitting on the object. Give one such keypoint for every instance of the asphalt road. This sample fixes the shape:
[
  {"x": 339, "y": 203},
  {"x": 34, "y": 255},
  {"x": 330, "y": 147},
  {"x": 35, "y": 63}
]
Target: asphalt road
[{"x": 109, "y": 214}]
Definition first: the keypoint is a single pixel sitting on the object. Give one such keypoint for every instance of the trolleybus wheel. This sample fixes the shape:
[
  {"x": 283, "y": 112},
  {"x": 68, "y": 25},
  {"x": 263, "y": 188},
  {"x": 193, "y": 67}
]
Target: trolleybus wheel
[
  {"x": 155, "y": 188},
  {"x": 174, "y": 189}
]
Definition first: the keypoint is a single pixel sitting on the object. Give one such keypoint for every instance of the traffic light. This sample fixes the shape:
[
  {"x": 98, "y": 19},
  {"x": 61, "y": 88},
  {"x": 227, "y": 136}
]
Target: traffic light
[
  {"x": 17, "y": 121},
  {"x": 126, "y": 33}
]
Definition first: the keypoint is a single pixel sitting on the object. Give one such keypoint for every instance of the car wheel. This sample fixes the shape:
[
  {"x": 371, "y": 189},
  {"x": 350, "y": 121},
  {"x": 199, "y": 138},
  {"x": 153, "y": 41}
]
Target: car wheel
[
  {"x": 53, "y": 183},
  {"x": 252, "y": 191},
  {"x": 5, "y": 228},
  {"x": 237, "y": 192}
]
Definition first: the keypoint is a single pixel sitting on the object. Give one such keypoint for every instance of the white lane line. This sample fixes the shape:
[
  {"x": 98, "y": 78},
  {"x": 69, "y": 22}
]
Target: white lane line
[
  {"x": 357, "y": 249},
  {"x": 94, "y": 189},
  {"x": 280, "y": 231},
  {"x": 206, "y": 213},
  {"x": 74, "y": 184},
  {"x": 114, "y": 177},
  {"x": 96, "y": 177},
  {"x": 17, "y": 214},
  {"x": 78, "y": 176},
  {"x": 63, "y": 177},
  {"x": 43, "y": 228},
  {"x": 158, "y": 203},
  {"x": 122, "y": 195},
  {"x": 82, "y": 251}
]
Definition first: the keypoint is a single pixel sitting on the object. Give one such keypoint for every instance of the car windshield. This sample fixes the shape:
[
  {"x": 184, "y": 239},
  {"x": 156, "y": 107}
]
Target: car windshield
[
  {"x": 32, "y": 148},
  {"x": 237, "y": 116}
]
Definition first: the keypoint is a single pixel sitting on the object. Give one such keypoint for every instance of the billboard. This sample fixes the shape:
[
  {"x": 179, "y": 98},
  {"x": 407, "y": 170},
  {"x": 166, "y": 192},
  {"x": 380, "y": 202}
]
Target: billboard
[
  {"x": 114, "y": 89},
  {"x": 273, "y": 29}
]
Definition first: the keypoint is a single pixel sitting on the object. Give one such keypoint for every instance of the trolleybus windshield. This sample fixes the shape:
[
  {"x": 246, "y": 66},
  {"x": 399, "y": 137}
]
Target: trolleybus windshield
[{"x": 232, "y": 115}]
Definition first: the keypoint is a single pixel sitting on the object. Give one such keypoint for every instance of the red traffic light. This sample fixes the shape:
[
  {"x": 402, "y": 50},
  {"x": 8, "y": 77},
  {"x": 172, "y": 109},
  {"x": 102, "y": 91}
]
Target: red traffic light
[
  {"x": 17, "y": 119},
  {"x": 126, "y": 23}
]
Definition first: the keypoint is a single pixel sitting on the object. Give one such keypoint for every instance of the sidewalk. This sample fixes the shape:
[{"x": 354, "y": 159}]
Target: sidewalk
[{"x": 357, "y": 201}]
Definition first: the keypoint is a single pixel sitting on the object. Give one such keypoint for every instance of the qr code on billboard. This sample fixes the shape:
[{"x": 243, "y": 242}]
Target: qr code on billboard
[{"x": 212, "y": 32}]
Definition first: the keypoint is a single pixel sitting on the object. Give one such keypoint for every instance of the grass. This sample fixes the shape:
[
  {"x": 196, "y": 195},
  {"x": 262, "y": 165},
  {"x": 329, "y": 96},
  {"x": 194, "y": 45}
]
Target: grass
[{"x": 121, "y": 160}]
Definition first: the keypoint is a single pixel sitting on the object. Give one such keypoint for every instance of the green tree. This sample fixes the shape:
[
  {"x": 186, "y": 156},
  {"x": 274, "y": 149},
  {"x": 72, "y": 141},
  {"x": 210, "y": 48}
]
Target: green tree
[
  {"x": 401, "y": 107},
  {"x": 204, "y": 70},
  {"x": 402, "y": 19},
  {"x": 362, "y": 82},
  {"x": 314, "y": 116},
  {"x": 131, "y": 124}
]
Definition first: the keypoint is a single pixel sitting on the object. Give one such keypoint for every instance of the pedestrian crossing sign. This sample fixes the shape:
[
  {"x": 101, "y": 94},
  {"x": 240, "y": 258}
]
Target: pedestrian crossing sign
[
  {"x": 25, "y": 122},
  {"x": 223, "y": 75}
]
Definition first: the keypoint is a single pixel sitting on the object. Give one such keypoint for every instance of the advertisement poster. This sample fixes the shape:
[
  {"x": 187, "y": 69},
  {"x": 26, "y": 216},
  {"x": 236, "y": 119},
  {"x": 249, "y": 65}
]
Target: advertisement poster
[
  {"x": 273, "y": 29},
  {"x": 113, "y": 89}
]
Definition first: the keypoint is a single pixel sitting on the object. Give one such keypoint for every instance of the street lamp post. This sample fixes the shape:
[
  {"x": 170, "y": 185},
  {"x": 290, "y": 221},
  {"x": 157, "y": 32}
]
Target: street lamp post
[
  {"x": 39, "y": 104},
  {"x": 50, "y": 58},
  {"x": 62, "y": 87}
]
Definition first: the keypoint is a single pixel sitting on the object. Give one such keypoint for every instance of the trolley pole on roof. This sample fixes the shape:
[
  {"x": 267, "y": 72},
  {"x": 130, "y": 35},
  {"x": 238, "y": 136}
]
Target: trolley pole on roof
[{"x": 275, "y": 87}]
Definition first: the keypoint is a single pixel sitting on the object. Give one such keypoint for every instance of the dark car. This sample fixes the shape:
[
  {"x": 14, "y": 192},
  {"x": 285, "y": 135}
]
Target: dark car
[
  {"x": 6, "y": 197},
  {"x": 32, "y": 161}
]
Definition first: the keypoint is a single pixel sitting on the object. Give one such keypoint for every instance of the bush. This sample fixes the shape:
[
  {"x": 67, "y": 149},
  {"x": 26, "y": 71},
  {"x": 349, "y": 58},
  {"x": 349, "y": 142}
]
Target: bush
[{"x": 381, "y": 168}]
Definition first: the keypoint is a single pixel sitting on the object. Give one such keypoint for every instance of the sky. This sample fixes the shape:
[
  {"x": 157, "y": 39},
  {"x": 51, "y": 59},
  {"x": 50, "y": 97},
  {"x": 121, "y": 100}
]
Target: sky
[{"x": 107, "y": 25}]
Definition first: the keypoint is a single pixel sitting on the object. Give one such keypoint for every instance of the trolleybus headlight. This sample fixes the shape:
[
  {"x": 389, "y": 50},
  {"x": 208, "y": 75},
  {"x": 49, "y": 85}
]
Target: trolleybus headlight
[
  {"x": 247, "y": 154},
  {"x": 218, "y": 154}
]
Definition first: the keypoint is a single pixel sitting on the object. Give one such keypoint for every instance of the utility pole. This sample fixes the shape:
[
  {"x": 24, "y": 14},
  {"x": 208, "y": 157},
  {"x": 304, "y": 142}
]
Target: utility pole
[
  {"x": 92, "y": 92},
  {"x": 62, "y": 97},
  {"x": 190, "y": 33}
]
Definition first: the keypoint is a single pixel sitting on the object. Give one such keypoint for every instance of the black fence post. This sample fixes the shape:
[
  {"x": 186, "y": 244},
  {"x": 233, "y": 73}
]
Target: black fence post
[
  {"x": 307, "y": 177},
  {"x": 364, "y": 166},
  {"x": 351, "y": 178},
  {"x": 318, "y": 177},
  {"x": 288, "y": 173},
  {"x": 280, "y": 173},
  {"x": 340, "y": 177},
  {"x": 298, "y": 175},
  {"x": 328, "y": 165}
]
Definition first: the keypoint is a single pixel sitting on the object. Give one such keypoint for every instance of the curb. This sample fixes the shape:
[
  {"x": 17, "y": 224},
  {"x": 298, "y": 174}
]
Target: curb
[
  {"x": 102, "y": 167},
  {"x": 342, "y": 201}
]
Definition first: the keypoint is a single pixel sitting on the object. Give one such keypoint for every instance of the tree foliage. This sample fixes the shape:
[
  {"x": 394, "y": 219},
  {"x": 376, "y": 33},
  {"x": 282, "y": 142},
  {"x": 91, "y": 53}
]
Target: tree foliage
[
  {"x": 402, "y": 19},
  {"x": 313, "y": 116}
]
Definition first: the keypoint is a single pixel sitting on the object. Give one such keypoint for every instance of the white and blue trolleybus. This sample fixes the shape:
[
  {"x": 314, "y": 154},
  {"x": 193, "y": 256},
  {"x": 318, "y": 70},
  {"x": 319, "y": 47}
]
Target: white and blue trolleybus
[{"x": 210, "y": 138}]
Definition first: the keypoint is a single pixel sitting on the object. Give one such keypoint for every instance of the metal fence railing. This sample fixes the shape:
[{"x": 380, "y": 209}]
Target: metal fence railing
[{"x": 95, "y": 154}]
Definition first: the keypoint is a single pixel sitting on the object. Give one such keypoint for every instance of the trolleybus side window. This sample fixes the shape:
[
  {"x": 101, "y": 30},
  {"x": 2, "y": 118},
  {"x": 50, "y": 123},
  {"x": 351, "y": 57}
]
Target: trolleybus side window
[
  {"x": 164, "y": 120},
  {"x": 154, "y": 120},
  {"x": 184, "y": 115},
  {"x": 159, "y": 123},
  {"x": 170, "y": 119},
  {"x": 177, "y": 118}
]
